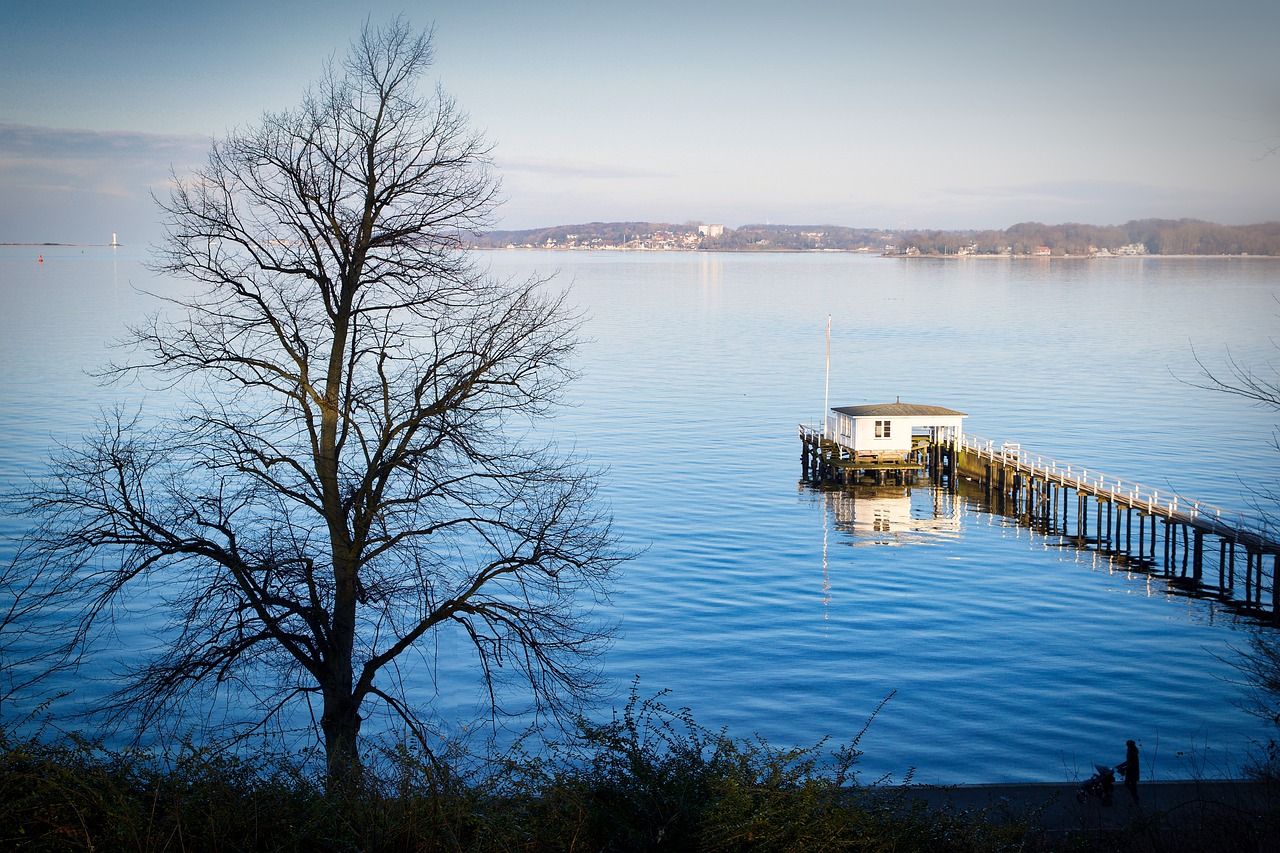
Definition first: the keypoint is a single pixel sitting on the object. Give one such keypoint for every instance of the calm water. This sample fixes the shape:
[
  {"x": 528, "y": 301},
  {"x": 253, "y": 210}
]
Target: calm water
[{"x": 766, "y": 607}]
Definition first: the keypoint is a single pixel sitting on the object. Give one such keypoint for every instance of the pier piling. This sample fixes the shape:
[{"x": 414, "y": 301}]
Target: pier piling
[{"x": 1032, "y": 484}]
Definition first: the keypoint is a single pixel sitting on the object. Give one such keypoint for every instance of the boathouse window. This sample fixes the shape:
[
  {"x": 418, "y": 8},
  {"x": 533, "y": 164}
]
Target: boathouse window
[{"x": 882, "y": 429}]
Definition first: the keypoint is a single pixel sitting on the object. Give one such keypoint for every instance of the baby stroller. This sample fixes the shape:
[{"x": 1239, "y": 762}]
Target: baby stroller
[{"x": 1098, "y": 786}]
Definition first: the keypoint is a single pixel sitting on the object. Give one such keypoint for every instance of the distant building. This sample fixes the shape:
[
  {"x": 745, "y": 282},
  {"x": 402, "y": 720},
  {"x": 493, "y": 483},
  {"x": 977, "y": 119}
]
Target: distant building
[
  {"x": 711, "y": 230},
  {"x": 1042, "y": 251},
  {"x": 1132, "y": 249}
]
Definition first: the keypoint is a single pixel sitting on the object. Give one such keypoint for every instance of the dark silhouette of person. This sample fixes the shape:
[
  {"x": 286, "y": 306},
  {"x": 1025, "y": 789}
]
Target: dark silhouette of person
[{"x": 1130, "y": 769}]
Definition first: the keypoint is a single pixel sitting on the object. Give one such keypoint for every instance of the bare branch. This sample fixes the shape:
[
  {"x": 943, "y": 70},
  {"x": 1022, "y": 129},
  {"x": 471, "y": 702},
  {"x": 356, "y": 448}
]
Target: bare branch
[{"x": 1261, "y": 385}]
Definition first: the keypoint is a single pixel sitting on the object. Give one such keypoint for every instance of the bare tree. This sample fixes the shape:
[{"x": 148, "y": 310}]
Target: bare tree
[
  {"x": 1259, "y": 663},
  {"x": 355, "y": 468}
]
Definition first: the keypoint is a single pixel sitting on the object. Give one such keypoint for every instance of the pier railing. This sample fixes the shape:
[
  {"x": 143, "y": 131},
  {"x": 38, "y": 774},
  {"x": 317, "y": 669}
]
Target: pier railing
[
  {"x": 1153, "y": 501},
  {"x": 811, "y": 432}
]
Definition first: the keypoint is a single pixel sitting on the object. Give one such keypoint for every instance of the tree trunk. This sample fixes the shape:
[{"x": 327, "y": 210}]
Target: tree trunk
[{"x": 340, "y": 723}]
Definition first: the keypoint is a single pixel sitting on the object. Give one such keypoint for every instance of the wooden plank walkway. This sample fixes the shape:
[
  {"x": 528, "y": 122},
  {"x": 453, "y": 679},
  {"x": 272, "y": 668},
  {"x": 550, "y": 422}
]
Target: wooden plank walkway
[
  {"x": 1255, "y": 533},
  {"x": 1036, "y": 490}
]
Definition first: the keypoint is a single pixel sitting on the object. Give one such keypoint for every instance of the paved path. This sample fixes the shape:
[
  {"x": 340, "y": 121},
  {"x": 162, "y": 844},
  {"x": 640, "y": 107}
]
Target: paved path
[{"x": 1054, "y": 807}]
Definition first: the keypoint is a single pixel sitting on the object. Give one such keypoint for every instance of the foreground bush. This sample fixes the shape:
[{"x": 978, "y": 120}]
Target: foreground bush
[{"x": 652, "y": 779}]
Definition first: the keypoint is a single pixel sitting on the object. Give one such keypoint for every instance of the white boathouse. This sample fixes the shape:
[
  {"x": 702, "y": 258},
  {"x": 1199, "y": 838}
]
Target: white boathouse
[{"x": 888, "y": 432}]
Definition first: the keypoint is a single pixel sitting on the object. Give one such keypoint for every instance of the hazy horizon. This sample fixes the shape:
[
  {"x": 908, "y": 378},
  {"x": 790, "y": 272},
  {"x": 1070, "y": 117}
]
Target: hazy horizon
[{"x": 920, "y": 116}]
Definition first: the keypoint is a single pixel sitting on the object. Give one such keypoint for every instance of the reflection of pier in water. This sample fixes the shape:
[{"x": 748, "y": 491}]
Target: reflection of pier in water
[
  {"x": 1186, "y": 572},
  {"x": 1198, "y": 550}
]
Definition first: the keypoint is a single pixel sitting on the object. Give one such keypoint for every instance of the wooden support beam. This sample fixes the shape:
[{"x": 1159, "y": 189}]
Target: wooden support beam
[
  {"x": 1248, "y": 575},
  {"x": 1197, "y": 561},
  {"x": 1275, "y": 584},
  {"x": 1222, "y": 563},
  {"x": 1097, "y": 527}
]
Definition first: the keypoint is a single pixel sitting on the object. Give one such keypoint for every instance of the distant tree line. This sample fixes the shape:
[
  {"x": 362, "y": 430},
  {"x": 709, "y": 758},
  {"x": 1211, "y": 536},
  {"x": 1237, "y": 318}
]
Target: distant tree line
[
  {"x": 748, "y": 238},
  {"x": 588, "y": 235},
  {"x": 790, "y": 238},
  {"x": 1156, "y": 236}
]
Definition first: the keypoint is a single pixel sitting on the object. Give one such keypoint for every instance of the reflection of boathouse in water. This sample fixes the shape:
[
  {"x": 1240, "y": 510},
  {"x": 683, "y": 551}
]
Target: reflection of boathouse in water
[
  {"x": 885, "y": 442},
  {"x": 892, "y": 515}
]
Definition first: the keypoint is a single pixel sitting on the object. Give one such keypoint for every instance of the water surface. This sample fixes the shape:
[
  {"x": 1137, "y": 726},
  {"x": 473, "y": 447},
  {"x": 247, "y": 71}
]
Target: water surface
[{"x": 768, "y": 607}]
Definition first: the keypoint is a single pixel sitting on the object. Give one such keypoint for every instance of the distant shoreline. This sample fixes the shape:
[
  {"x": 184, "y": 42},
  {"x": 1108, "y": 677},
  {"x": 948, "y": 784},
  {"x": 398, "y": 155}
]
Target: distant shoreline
[
  {"x": 1072, "y": 257},
  {"x": 916, "y": 257}
]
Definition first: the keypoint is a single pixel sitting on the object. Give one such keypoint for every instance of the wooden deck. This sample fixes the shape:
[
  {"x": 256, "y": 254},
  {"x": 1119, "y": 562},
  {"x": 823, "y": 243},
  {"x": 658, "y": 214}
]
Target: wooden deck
[{"x": 826, "y": 461}]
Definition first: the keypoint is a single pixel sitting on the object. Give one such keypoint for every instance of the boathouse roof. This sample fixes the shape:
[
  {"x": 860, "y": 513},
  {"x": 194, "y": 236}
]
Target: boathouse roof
[{"x": 897, "y": 410}]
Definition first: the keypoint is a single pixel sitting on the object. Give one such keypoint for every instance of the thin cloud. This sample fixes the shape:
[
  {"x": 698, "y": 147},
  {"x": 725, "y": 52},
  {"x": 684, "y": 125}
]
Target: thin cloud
[
  {"x": 1071, "y": 191},
  {"x": 72, "y": 184},
  {"x": 566, "y": 170},
  {"x": 47, "y": 144},
  {"x": 1099, "y": 203},
  {"x": 113, "y": 163}
]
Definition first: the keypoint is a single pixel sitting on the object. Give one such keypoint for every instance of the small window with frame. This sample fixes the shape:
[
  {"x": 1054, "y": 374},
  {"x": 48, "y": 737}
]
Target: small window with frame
[{"x": 882, "y": 429}]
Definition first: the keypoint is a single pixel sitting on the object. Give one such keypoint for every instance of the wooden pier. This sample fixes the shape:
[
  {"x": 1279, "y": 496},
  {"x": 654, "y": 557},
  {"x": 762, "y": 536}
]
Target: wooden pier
[{"x": 1200, "y": 549}]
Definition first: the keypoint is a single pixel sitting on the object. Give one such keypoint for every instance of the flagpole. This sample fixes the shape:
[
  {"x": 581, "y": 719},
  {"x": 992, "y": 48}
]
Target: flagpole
[{"x": 826, "y": 394}]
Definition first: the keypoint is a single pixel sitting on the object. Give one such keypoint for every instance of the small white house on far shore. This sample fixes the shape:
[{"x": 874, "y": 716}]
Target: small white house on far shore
[{"x": 883, "y": 432}]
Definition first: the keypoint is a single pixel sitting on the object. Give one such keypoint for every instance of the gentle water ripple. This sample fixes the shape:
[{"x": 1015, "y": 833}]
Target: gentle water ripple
[{"x": 767, "y": 607}]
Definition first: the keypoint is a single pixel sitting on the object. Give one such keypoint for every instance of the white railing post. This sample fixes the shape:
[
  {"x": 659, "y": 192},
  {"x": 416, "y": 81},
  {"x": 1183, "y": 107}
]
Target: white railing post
[{"x": 1011, "y": 455}]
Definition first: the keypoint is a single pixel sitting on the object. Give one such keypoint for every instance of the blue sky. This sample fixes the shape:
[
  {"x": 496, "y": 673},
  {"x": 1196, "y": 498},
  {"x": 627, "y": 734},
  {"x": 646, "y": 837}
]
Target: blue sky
[{"x": 910, "y": 114}]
